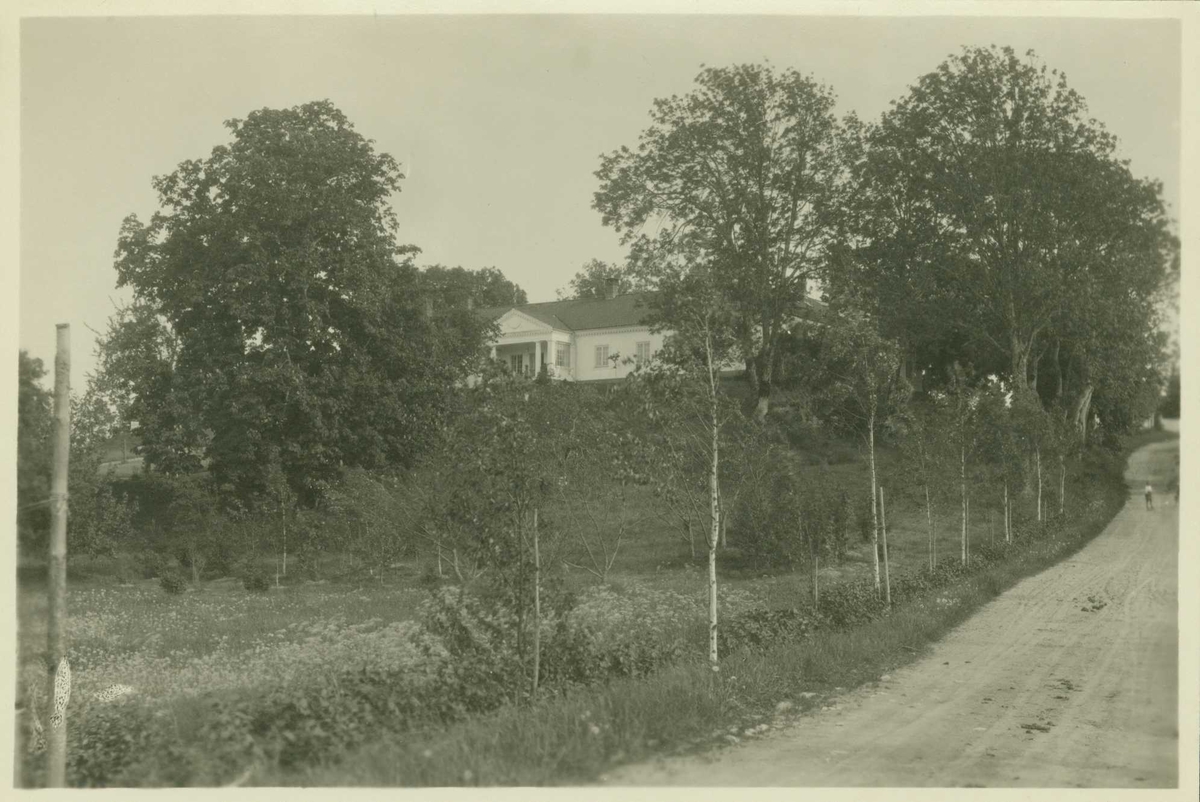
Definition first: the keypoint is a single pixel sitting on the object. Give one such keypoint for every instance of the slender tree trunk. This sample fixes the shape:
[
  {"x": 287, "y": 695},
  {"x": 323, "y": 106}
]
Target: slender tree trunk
[
  {"x": 537, "y": 607},
  {"x": 1007, "y": 524},
  {"x": 1058, "y": 374},
  {"x": 1081, "y": 412},
  {"x": 714, "y": 535},
  {"x": 284, "y": 546},
  {"x": 963, "y": 505},
  {"x": 874, "y": 502},
  {"x": 724, "y": 518},
  {"x": 929, "y": 523},
  {"x": 887, "y": 575},
  {"x": 56, "y": 641},
  {"x": 714, "y": 493},
  {"x": 1062, "y": 486},
  {"x": 816, "y": 573},
  {"x": 1038, "y": 458},
  {"x": 967, "y": 511}
]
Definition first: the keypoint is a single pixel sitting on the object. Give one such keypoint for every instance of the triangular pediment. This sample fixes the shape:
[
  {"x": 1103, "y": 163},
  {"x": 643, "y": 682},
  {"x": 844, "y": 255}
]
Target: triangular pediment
[{"x": 515, "y": 321}]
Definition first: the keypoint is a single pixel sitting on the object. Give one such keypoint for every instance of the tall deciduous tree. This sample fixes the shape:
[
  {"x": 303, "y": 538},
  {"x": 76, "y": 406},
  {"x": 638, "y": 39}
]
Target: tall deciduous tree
[
  {"x": 995, "y": 226},
  {"x": 748, "y": 167},
  {"x": 454, "y": 287},
  {"x": 34, "y": 421},
  {"x": 274, "y": 312}
]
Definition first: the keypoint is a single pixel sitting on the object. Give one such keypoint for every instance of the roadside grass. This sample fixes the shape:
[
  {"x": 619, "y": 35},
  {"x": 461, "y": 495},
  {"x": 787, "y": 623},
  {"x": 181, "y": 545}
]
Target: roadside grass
[{"x": 686, "y": 708}]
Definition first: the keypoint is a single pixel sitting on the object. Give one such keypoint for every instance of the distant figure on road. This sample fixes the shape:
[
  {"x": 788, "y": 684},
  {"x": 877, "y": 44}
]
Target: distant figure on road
[{"x": 1149, "y": 497}]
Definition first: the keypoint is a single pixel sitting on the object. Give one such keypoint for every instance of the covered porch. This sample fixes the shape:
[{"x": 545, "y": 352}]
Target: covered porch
[{"x": 526, "y": 356}]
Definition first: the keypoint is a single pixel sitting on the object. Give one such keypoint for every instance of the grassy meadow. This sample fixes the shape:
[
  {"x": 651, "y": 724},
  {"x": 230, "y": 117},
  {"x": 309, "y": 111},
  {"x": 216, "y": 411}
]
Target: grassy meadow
[{"x": 179, "y": 653}]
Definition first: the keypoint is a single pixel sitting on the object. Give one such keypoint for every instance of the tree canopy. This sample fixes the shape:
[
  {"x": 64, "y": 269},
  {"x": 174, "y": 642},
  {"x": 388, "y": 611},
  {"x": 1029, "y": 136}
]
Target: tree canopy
[
  {"x": 994, "y": 225},
  {"x": 748, "y": 167},
  {"x": 274, "y": 316},
  {"x": 453, "y": 287}
]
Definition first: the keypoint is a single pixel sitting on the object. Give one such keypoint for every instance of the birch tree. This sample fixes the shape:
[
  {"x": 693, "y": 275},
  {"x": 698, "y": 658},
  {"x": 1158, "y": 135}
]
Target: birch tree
[
  {"x": 861, "y": 386},
  {"x": 684, "y": 386}
]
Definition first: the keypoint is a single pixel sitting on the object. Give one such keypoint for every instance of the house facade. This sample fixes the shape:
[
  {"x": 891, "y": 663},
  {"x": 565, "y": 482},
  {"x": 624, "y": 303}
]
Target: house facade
[
  {"x": 590, "y": 339},
  {"x": 577, "y": 340}
]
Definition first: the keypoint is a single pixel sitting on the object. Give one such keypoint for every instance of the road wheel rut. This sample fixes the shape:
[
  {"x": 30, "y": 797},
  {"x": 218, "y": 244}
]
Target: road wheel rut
[{"x": 1068, "y": 679}]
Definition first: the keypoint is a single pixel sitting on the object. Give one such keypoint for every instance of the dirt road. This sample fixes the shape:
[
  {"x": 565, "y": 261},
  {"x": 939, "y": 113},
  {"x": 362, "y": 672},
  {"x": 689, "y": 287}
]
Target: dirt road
[{"x": 1068, "y": 679}]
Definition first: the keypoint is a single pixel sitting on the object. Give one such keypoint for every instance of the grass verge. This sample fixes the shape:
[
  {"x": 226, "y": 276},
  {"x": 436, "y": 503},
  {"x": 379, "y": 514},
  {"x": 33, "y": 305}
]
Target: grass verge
[{"x": 687, "y": 707}]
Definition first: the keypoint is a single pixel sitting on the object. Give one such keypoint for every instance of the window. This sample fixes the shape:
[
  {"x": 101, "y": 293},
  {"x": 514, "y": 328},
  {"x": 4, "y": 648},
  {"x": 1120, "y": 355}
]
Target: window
[
  {"x": 601, "y": 356},
  {"x": 517, "y": 361},
  {"x": 562, "y": 355},
  {"x": 643, "y": 353}
]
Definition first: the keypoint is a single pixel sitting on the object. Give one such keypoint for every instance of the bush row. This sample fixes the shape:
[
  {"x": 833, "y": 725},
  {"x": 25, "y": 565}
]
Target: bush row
[{"x": 850, "y": 604}]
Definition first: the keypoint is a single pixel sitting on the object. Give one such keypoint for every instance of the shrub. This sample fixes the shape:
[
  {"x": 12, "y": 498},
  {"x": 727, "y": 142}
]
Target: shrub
[
  {"x": 839, "y": 525},
  {"x": 105, "y": 741},
  {"x": 126, "y": 571},
  {"x": 572, "y": 658},
  {"x": 766, "y": 524},
  {"x": 152, "y": 564},
  {"x": 848, "y": 604},
  {"x": 255, "y": 579},
  {"x": 172, "y": 582},
  {"x": 429, "y": 577},
  {"x": 484, "y": 668},
  {"x": 866, "y": 520},
  {"x": 757, "y": 629}
]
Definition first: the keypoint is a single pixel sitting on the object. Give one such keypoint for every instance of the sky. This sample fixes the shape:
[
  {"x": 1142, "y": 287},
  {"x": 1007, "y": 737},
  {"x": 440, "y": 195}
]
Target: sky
[{"x": 498, "y": 121}]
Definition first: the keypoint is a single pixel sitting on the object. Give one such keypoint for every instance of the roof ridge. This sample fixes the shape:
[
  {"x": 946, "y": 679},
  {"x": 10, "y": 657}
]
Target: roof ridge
[{"x": 584, "y": 300}]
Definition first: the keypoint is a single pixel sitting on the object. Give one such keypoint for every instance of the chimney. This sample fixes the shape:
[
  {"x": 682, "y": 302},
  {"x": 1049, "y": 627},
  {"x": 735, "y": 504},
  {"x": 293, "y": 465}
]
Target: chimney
[
  {"x": 428, "y": 308},
  {"x": 610, "y": 288},
  {"x": 470, "y": 303}
]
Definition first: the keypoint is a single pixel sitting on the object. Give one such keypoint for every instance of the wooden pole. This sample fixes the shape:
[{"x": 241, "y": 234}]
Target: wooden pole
[
  {"x": 537, "y": 606},
  {"x": 56, "y": 767}
]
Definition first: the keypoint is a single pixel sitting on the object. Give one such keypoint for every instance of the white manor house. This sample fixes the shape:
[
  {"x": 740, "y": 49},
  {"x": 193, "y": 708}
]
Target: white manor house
[
  {"x": 577, "y": 340},
  {"x": 590, "y": 339}
]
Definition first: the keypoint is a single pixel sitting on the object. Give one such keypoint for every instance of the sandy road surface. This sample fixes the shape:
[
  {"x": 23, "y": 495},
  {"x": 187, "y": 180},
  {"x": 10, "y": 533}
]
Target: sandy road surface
[{"x": 1031, "y": 691}]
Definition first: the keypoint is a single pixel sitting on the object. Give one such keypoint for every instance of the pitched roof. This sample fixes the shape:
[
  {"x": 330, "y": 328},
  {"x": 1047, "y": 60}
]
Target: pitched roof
[
  {"x": 630, "y": 309},
  {"x": 583, "y": 313}
]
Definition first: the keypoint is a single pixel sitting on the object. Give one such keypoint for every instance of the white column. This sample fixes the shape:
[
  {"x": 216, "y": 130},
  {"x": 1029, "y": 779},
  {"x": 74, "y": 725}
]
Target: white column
[
  {"x": 537, "y": 357},
  {"x": 493, "y": 353}
]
